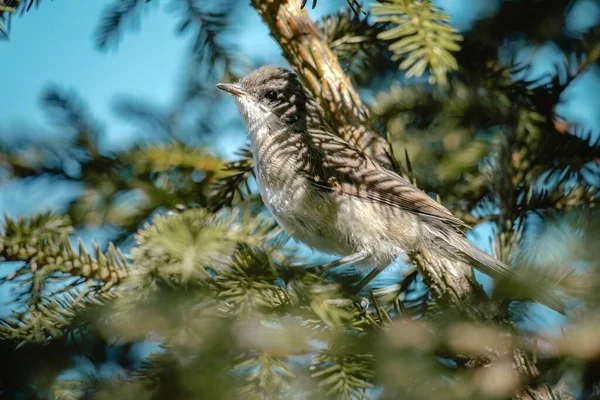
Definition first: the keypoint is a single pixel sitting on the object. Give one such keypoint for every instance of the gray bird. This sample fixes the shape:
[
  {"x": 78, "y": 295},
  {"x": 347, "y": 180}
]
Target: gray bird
[{"x": 329, "y": 195}]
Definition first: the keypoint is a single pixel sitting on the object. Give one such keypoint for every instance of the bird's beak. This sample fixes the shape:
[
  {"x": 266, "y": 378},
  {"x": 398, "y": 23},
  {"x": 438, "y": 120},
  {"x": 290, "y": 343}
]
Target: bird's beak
[{"x": 232, "y": 88}]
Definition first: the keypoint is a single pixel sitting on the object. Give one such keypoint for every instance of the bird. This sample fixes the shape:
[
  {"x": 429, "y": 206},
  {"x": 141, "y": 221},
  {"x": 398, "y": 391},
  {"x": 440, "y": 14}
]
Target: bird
[{"x": 329, "y": 195}]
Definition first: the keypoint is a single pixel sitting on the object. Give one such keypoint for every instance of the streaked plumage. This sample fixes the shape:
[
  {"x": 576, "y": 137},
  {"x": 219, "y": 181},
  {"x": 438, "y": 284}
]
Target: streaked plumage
[{"x": 328, "y": 194}]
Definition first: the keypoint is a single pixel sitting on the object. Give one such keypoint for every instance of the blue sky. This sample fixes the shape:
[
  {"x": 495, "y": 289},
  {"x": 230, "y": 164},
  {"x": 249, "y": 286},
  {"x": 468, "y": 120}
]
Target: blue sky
[{"x": 54, "y": 45}]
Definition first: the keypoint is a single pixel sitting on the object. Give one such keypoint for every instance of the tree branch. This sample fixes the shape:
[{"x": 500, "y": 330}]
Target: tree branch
[
  {"x": 451, "y": 283},
  {"x": 309, "y": 55}
]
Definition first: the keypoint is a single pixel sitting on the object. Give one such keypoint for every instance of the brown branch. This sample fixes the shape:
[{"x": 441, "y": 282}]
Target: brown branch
[
  {"x": 451, "y": 282},
  {"x": 318, "y": 68}
]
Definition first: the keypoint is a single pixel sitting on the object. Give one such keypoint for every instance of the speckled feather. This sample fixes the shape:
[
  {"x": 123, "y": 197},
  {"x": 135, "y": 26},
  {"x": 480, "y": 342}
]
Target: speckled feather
[{"x": 323, "y": 191}]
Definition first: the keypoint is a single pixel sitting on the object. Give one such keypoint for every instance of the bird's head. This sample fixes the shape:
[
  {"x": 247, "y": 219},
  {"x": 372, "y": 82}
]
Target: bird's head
[{"x": 272, "y": 95}]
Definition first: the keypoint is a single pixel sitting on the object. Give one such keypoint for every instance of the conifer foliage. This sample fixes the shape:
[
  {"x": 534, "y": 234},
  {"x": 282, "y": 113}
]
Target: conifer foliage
[{"x": 198, "y": 271}]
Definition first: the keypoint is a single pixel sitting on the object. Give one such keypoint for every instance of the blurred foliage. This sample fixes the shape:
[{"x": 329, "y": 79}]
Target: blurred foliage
[
  {"x": 115, "y": 17},
  {"x": 229, "y": 306},
  {"x": 204, "y": 21}
]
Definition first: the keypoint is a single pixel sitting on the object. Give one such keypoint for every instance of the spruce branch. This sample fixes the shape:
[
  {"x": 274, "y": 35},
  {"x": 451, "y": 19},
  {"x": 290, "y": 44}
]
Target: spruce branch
[
  {"x": 51, "y": 318},
  {"x": 240, "y": 283},
  {"x": 354, "y": 41},
  {"x": 43, "y": 243},
  {"x": 25, "y": 5},
  {"x": 7, "y": 8},
  {"x": 200, "y": 374},
  {"x": 423, "y": 37},
  {"x": 249, "y": 285},
  {"x": 69, "y": 111},
  {"x": 317, "y": 66},
  {"x": 209, "y": 25},
  {"x": 412, "y": 100},
  {"x": 43, "y": 226},
  {"x": 154, "y": 176},
  {"x": 10, "y": 7},
  {"x": 115, "y": 17},
  {"x": 436, "y": 126},
  {"x": 325, "y": 304},
  {"x": 342, "y": 373},
  {"x": 269, "y": 376},
  {"x": 80, "y": 143},
  {"x": 235, "y": 182},
  {"x": 563, "y": 197},
  {"x": 161, "y": 158},
  {"x": 183, "y": 247}
]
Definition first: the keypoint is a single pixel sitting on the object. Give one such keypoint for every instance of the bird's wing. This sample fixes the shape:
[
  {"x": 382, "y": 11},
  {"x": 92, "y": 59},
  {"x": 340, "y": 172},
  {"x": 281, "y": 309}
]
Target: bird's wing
[{"x": 335, "y": 165}]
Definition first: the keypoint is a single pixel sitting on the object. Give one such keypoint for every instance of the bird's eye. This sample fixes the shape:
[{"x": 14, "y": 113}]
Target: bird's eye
[{"x": 271, "y": 95}]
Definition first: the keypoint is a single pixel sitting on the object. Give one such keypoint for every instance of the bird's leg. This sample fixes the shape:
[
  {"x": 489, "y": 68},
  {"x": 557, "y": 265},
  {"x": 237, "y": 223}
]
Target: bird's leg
[
  {"x": 347, "y": 260},
  {"x": 367, "y": 279}
]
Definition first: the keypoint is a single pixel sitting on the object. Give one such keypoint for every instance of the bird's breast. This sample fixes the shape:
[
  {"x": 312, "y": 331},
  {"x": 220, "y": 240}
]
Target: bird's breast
[
  {"x": 298, "y": 208},
  {"x": 327, "y": 220}
]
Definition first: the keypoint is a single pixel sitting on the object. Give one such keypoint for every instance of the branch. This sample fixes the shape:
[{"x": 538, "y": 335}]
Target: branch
[
  {"x": 10, "y": 7},
  {"x": 423, "y": 39},
  {"x": 354, "y": 41},
  {"x": 452, "y": 283},
  {"x": 115, "y": 17},
  {"x": 309, "y": 55}
]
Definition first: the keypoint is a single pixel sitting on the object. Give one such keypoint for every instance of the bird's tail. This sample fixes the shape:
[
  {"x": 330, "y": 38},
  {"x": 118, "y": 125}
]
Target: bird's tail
[{"x": 498, "y": 270}]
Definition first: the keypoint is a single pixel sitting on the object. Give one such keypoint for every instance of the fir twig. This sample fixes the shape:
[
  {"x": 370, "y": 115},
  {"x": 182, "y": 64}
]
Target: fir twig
[{"x": 424, "y": 39}]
